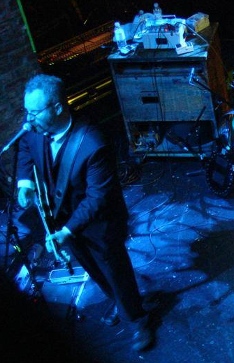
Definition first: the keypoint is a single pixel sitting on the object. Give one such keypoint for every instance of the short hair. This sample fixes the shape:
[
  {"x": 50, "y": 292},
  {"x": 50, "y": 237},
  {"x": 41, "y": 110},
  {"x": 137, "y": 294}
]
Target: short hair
[{"x": 52, "y": 86}]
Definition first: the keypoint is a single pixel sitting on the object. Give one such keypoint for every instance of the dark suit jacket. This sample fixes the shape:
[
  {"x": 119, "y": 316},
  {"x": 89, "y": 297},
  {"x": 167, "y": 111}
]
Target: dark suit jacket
[{"x": 93, "y": 202}]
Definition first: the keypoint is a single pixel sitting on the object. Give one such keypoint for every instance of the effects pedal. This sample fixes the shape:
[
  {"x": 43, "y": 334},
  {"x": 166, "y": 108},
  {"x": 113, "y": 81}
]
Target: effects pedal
[{"x": 62, "y": 276}]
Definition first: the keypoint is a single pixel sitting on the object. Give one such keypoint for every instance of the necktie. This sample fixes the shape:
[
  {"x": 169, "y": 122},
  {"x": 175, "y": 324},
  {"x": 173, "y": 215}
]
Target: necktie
[{"x": 49, "y": 165}]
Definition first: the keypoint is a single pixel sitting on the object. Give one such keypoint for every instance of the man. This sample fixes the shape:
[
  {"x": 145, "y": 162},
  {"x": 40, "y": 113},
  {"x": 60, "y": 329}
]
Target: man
[{"x": 85, "y": 196}]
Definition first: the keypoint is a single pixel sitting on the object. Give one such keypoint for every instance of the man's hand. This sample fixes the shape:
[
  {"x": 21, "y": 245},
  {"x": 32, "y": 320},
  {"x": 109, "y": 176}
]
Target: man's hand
[
  {"x": 60, "y": 237},
  {"x": 26, "y": 197}
]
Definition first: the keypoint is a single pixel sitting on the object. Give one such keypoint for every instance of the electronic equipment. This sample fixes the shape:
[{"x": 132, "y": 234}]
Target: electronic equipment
[
  {"x": 23, "y": 278},
  {"x": 164, "y": 34},
  {"x": 127, "y": 49},
  {"x": 198, "y": 22},
  {"x": 184, "y": 48}
]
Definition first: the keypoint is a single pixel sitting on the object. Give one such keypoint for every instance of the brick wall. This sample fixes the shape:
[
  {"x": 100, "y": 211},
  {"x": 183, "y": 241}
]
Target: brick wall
[{"x": 17, "y": 63}]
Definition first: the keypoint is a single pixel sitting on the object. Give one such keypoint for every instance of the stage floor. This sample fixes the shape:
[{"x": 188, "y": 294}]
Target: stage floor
[{"x": 181, "y": 245}]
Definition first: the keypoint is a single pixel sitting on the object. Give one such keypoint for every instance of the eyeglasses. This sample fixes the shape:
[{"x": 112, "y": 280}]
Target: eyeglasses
[{"x": 37, "y": 112}]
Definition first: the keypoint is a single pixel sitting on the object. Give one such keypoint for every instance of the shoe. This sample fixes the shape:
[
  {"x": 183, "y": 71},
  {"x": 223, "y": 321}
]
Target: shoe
[
  {"x": 111, "y": 316},
  {"x": 143, "y": 338}
]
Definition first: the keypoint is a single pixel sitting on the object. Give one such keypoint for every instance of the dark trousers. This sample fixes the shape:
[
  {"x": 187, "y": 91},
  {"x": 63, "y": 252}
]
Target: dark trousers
[{"x": 109, "y": 265}]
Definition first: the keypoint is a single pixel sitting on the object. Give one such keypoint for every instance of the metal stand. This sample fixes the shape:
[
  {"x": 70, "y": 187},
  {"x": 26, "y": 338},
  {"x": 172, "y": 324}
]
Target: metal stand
[
  {"x": 12, "y": 236},
  {"x": 11, "y": 229}
]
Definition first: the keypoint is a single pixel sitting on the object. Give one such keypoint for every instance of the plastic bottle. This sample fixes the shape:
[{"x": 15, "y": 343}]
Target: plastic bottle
[
  {"x": 157, "y": 11},
  {"x": 139, "y": 17},
  {"x": 120, "y": 37}
]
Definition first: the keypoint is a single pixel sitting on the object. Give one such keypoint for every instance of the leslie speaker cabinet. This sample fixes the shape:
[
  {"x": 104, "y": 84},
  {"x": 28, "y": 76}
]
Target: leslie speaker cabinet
[{"x": 168, "y": 101}]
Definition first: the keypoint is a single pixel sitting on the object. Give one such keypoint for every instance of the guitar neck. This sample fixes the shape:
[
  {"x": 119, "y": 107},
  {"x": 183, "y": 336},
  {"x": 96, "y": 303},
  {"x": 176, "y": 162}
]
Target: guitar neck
[{"x": 47, "y": 219}]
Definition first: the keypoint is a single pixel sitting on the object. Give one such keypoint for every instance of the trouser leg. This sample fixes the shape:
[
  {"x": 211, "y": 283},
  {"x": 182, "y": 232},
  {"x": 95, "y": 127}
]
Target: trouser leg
[
  {"x": 116, "y": 266},
  {"x": 109, "y": 265},
  {"x": 86, "y": 260}
]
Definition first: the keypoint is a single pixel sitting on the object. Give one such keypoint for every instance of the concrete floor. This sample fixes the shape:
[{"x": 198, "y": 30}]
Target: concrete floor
[{"x": 181, "y": 246}]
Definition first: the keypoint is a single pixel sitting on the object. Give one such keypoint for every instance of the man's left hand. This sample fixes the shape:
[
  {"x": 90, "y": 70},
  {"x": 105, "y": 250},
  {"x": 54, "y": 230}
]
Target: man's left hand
[{"x": 60, "y": 237}]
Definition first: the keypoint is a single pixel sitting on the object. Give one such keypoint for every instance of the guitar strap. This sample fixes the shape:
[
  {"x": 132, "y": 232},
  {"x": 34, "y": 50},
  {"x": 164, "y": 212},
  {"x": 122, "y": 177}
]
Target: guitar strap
[{"x": 68, "y": 158}]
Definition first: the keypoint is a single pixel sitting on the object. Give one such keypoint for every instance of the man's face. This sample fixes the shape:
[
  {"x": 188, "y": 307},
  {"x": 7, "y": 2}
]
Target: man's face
[{"x": 41, "y": 113}]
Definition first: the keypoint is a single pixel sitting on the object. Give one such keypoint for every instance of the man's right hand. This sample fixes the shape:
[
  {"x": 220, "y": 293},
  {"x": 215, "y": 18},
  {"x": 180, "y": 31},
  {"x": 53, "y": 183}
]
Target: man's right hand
[{"x": 26, "y": 197}]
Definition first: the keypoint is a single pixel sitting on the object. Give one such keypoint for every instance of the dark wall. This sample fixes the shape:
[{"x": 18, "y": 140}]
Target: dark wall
[
  {"x": 218, "y": 11},
  {"x": 17, "y": 62}
]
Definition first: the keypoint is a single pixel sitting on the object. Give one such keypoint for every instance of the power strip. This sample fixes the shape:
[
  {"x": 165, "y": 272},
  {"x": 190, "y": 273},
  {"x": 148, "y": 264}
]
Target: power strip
[{"x": 184, "y": 48}]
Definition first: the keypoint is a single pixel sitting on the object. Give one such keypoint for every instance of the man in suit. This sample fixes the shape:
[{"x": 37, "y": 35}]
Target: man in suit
[{"x": 85, "y": 196}]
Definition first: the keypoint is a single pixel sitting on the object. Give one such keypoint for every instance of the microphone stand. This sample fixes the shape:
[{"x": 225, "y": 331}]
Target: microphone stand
[
  {"x": 184, "y": 143},
  {"x": 12, "y": 230},
  {"x": 220, "y": 100}
]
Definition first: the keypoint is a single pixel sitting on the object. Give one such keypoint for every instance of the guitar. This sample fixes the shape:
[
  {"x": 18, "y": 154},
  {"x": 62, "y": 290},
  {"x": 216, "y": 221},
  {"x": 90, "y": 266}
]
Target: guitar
[{"x": 43, "y": 206}]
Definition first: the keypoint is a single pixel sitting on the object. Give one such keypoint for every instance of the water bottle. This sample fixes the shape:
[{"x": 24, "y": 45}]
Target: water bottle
[
  {"x": 157, "y": 11},
  {"x": 120, "y": 37},
  {"x": 139, "y": 17}
]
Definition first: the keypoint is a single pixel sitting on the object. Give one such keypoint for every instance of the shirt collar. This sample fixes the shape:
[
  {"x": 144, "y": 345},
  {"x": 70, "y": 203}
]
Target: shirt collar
[{"x": 59, "y": 136}]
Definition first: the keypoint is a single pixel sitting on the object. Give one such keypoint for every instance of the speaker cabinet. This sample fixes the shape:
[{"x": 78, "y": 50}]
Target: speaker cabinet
[{"x": 163, "y": 95}]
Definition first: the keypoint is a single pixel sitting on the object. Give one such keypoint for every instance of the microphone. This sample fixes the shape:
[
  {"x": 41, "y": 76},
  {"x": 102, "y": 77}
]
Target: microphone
[
  {"x": 26, "y": 127},
  {"x": 191, "y": 76}
]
